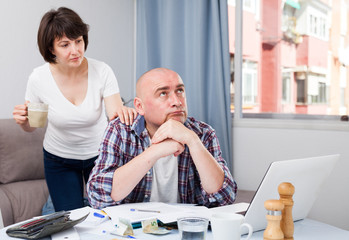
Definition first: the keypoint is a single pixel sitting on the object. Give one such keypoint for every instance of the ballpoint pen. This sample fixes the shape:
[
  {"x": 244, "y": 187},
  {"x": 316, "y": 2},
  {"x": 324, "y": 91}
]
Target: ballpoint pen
[
  {"x": 143, "y": 210},
  {"x": 100, "y": 217},
  {"x": 116, "y": 234},
  {"x": 105, "y": 214}
]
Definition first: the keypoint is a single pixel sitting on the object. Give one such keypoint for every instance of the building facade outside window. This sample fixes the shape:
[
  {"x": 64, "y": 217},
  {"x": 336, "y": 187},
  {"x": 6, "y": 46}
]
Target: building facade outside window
[{"x": 295, "y": 56}]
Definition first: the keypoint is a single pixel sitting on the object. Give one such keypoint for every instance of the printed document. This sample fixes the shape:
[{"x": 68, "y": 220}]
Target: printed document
[{"x": 166, "y": 213}]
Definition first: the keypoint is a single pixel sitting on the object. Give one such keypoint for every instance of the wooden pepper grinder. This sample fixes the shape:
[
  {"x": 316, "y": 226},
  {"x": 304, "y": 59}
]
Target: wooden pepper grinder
[
  {"x": 273, "y": 230},
  {"x": 286, "y": 191}
]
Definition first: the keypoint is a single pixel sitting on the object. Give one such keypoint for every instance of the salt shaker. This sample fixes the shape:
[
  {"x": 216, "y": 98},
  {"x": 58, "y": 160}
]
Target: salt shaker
[{"x": 274, "y": 216}]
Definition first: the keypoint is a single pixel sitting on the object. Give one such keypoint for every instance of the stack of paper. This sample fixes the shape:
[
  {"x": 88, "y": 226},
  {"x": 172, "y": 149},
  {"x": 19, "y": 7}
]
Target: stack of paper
[{"x": 166, "y": 213}]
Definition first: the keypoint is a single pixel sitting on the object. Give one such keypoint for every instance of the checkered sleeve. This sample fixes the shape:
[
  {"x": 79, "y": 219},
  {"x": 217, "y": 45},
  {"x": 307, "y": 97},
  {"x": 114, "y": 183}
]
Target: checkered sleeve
[
  {"x": 227, "y": 193},
  {"x": 99, "y": 185}
]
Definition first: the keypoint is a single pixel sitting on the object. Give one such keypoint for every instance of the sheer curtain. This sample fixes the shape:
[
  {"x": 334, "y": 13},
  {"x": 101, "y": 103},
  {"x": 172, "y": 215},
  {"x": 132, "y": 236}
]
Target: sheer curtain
[{"x": 191, "y": 38}]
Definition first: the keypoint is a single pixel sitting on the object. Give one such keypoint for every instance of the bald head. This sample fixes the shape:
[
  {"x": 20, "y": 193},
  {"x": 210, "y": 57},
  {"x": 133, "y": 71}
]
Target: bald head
[
  {"x": 147, "y": 77},
  {"x": 160, "y": 97}
]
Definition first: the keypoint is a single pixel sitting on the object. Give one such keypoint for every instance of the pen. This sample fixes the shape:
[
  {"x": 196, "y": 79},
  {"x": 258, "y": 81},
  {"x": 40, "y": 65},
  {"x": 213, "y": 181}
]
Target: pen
[
  {"x": 105, "y": 214},
  {"x": 143, "y": 210},
  {"x": 98, "y": 215},
  {"x": 114, "y": 233},
  {"x": 101, "y": 217}
]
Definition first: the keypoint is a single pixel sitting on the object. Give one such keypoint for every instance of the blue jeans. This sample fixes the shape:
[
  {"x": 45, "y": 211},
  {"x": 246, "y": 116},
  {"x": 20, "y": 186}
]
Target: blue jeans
[{"x": 65, "y": 180}]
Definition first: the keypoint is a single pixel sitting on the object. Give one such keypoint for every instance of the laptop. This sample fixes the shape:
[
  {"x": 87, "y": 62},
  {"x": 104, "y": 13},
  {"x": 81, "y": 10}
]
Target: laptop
[{"x": 307, "y": 175}]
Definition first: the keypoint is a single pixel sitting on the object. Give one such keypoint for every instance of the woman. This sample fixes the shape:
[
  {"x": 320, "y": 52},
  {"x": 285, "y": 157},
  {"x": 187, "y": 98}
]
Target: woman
[{"x": 75, "y": 88}]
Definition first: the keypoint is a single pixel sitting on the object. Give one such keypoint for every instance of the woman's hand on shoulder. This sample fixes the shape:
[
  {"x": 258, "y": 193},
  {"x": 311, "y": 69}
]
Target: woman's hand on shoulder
[
  {"x": 126, "y": 115},
  {"x": 115, "y": 108}
]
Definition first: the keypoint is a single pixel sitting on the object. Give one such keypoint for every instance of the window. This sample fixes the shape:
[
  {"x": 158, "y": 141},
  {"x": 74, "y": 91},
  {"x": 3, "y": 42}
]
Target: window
[
  {"x": 301, "y": 91},
  {"x": 342, "y": 97},
  {"x": 317, "y": 23},
  {"x": 316, "y": 89},
  {"x": 343, "y": 85},
  {"x": 249, "y": 83},
  {"x": 286, "y": 88},
  {"x": 295, "y": 61},
  {"x": 322, "y": 92}
]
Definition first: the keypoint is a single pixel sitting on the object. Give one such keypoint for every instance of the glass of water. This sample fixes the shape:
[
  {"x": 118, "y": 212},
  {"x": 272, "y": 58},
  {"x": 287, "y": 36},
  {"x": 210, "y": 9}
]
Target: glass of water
[{"x": 192, "y": 228}]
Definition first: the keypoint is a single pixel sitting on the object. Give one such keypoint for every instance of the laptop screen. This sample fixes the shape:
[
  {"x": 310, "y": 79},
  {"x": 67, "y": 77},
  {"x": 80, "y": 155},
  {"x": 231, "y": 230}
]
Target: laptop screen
[{"x": 307, "y": 175}]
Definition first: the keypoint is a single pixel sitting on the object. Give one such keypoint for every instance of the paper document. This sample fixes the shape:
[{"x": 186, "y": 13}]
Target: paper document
[
  {"x": 166, "y": 213},
  {"x": 70, "y": 234}
]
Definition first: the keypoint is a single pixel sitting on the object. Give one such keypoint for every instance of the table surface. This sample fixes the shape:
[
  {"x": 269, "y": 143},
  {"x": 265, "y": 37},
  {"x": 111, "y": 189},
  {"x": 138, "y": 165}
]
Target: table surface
[{"x": 306, "y": 229}]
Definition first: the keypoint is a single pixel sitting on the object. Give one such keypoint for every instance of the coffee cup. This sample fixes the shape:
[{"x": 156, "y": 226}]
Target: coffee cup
[
  {"x": 227, "y": 226},
  {"x": 192, "y": 228},
  {"x": 37, "y": 114}
]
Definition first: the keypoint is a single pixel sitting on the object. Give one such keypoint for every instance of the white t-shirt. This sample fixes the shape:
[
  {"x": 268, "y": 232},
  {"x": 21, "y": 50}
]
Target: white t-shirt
[
  {"x": 73, "y": 131},
  {"x": 165, "y": 180}
]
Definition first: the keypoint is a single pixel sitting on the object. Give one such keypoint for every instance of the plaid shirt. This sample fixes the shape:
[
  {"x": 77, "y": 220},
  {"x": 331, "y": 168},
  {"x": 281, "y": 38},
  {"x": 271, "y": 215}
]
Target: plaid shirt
[{"x": 122, "y": 143}]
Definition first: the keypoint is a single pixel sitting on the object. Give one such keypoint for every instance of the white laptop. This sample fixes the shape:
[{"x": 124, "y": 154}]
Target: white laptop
[{"x": 307, "y": 175}]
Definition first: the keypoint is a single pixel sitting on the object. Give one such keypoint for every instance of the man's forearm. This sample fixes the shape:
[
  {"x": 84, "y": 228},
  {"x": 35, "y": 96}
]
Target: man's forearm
[
  {"x": 211, "y": 174},
  {"x": 126, "y": 178}
]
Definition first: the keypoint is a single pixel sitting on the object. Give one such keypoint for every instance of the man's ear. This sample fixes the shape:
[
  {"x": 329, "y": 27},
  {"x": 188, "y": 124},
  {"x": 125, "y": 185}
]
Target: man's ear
[{"x": 137, "y": 102}]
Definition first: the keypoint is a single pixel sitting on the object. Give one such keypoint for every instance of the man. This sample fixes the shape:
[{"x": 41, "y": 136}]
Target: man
[{"x": 164, "y": 156}]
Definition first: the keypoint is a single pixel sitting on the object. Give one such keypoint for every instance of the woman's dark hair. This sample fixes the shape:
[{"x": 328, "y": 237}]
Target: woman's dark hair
[{"x": 57, "y": 23}]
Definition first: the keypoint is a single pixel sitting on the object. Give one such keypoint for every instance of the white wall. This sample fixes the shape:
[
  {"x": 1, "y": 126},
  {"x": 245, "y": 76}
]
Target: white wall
[
  {"x": 111, "y": 39},
  {"x": 255, "y": 146}
]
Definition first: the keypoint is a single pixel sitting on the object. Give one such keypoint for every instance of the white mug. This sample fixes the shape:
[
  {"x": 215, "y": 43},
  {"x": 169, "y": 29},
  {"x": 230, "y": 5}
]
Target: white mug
[
  {"x": 37, "y": 114},
  {"x": 227, "y": 226}
]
